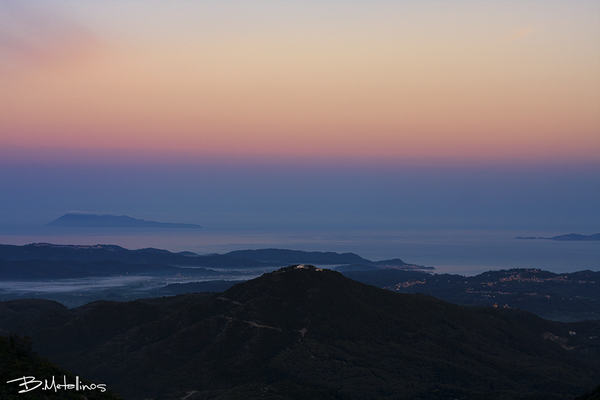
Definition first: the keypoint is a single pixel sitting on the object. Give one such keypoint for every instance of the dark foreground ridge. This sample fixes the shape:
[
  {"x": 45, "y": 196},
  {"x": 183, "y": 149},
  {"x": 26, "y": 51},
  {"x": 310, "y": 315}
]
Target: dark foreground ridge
[
  {"x": 113, "y": 221},
  {"x": 305, "y": 332},
  {"x": 21, "y": 368}
]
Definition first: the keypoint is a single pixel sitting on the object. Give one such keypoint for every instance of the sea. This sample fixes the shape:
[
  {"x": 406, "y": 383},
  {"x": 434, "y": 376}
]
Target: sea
[{"x": 464, "y": 252}]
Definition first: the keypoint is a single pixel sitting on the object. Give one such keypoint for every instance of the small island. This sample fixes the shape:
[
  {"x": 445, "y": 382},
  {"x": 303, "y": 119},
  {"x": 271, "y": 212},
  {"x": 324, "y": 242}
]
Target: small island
[
  {"x": 571, "y": 237},
  {"x": 80, "y": 220}
]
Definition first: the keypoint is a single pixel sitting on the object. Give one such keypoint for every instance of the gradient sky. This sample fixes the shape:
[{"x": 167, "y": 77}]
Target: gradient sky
[{"x": 495, "y": 104}]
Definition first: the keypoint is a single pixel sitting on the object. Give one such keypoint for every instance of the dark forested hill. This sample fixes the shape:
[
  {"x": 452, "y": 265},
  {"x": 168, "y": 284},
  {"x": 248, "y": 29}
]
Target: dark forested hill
[
  {"x": 303, "y": 332},
  {"x": 23, "y": 370}
]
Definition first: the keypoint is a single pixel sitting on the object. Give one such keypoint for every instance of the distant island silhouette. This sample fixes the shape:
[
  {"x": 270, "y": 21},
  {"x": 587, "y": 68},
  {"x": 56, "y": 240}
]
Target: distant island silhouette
[
  {"x": 571, "y": 237},
  {"x": 76, "y": 220}
]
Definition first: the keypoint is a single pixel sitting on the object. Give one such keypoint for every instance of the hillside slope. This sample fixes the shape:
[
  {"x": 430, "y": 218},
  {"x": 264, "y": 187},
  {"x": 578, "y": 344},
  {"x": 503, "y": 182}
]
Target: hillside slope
[{"x": 23, "y": 370}]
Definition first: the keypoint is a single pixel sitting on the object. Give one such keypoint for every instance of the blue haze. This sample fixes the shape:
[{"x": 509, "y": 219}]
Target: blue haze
[{"x": 459, "y": 216}]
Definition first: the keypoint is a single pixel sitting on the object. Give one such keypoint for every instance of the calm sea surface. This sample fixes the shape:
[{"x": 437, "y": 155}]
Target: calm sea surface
[{"x": 466, "y": 252}]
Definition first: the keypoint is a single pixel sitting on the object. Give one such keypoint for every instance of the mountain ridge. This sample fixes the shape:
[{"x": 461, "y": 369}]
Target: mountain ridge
[{"x": 236, "y": 259}]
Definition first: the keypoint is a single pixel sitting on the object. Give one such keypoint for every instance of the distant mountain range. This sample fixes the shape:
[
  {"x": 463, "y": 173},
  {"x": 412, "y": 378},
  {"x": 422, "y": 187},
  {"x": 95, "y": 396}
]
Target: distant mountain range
[
  {"x": 246, "y": 259},
  {"x": 140, "y": 260},
  {"x": 77, "y": 220},
  {"x": 571, "y": 237},
  {"x": 307, "y": 333},
  {"x": 350, "y": 260}
]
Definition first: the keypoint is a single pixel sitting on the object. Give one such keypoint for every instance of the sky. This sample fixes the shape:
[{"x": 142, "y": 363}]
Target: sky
[{"x": 303, "y": 114}]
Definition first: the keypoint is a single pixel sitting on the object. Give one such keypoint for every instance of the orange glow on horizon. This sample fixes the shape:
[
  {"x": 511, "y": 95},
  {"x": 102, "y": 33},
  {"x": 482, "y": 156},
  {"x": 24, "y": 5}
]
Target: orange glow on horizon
[{"x": 502, "y": 95}]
